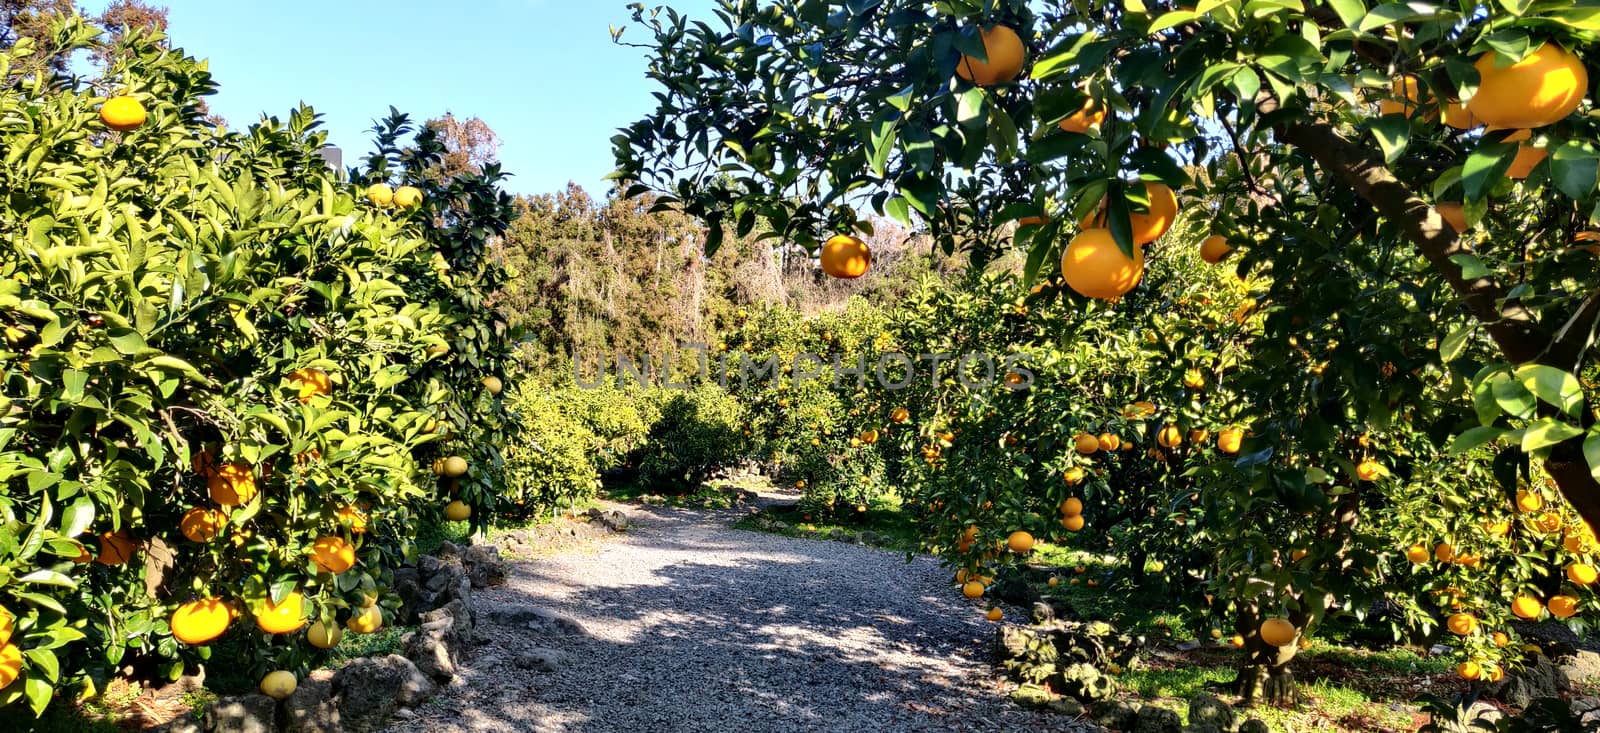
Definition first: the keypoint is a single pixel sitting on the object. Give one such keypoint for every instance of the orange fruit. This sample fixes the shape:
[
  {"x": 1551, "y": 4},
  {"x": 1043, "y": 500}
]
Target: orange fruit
[
  {"x": 1229, "y": 439},
  {"x": 1073, "y": 522},
  {"x": 407, "y": 197},
  {"x": 1020, "y": 542},
  {"x": 994, "y": 614},
  {"x": 1236, "y": 640},
  {"x": 972, "y": 589},
  {"x": 1199, "y": 435},
  {"x": 1417, "y": 554},
  {"x": 10, "y": 664},
  {"x": 1453, "y": 214},
  {"x": 1193, "y": 379},
  {"x": 202, "y": 525},
  {"x": 310, "y": 383},
  {"x": 1563, "y": 606},
  {"x": 1500, "y": 638},
  {"x": 493, "y": 383},
  {"x": 1147, "y": 227},
  {"x": 1528, "y": 158},
  {"x": 1529, "y": 501},
  {"x": 198, "y": 622},
  {"x": 457, "y": 511},
  {"x": 1543, "y": 88},
  {"x": 380, "y": 195},
  {"x": 284, "y": 617},
  {"x": 122, "y": 113},
  {"x": 1170, "y": 437},
  {"x": 232, "y": 484},
  {"x": 353, "y": 517},
  {"x": 1582, "y": 574},
  {"x": 1461, "y": 624},
  {"x": 1457, "y": 116},
  {"x": 1402, "y": 99},
  {"x": 1278, "y": 632},
  {"x": 1006, "y": 56},
  {"x": 1073, "y": 476},
  {"x": 278, "y": 684},
  {"x": 1494, "y": 674},
  {"x": 1444, "y": 552},
  {"x": 324, "y": 636},
  {"x": 1526, "y": 607},
  {"x": 845, "y": 257},
  {"x": 1072, "y": 507},
  {"x": 1298, "y": 555},
  {"x": 1549, "y": 522},
  {"x": 1469, "y": 670},
  {"x": 1497, "y": 529},
  {"x": 455, "y": 467},
  {"x": 333, "y": 554},
  {"x": 1095, "y": 267},
  {"x": 1109, "y": 441},
  {"x": 869, "y": 437},
  {"x": 116, "y": 548},
  {"x": 899, "y": 415},
  {"x": 1092, "y": 114},
  {"x": 969, "y": 536},
  {"x": 366, "y": 621},
  {"x": 1085, "y": 444},
  {"x": 8, "y": 625},
  {"x": 1214, "y": 248},
  {"x": 1369, "y": 470}
]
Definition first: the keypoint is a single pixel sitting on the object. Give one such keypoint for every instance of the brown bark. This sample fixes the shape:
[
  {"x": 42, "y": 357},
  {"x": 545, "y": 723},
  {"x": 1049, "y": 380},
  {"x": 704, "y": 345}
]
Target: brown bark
[{"x": 1512, "y": 327}]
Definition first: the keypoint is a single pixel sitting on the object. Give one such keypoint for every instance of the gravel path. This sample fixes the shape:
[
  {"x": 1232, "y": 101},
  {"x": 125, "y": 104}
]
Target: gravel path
[{"x": 691, "y": 625}]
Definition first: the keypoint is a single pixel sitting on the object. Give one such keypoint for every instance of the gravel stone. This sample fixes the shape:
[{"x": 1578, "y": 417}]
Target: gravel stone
[{"x": 683, "y": 623}]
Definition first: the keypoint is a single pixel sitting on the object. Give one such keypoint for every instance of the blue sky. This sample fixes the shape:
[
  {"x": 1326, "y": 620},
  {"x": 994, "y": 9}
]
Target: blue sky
[{"x": 543, "y": 73}]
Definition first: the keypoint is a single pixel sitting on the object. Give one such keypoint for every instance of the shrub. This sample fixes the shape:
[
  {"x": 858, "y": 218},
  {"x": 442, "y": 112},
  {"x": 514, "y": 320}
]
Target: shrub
[
  {"x": 551, "y": 460},
  {"x": 698, "y": 433}
]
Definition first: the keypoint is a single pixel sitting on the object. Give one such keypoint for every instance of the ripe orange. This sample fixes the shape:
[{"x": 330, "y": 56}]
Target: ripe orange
[
  {"x": 869, "y": 437},
  {"x": 1417, "y": 554},
  {"x": 1549, "y": 522},
  {"x": 1526, "y": 607},
  {"x": 994, "y": 614},
  {"x": 1149, "y": 226},
  {"x": 1543, "y": 88},
  {"x": 1278, "y": 632},
  {"x": 380, "y": 195},
  {"x": 1453, "y": 214},
  {"x": 1109, "y": 441},
  {"x": 1095, "y": 268},
  {"x": 122, "y": 113},
  {"x": 969, "y": 536},
  {"x": 1072, "y": 507},
  {"x": 1529, "y": 501},
  {"x": 366, "y": 621},
  {"x": 1469, "y": 670},
  {"x": 324, "y": 636},
  {"x": 972, "y": 589},
  {"x": 311, "y": 382},
  {"x": 1298, "y": 555},
  {"x": 1494, "y": 674},
  {"x": 198, "y": 622},
  {"x": 278, "y": 684},
  {"x": 10, "y": 664},
  {"x": 1563, "y": 606},
  {"x": 1214, "y": 248},
  {"x": 1236, "y": 640},
  {"x": 1170, "y": 437},
  {"x": 1402, "y": 99},
  {"x": 1092, "y": 114},
  {"x": 899, "y": 415},
  {"x": 202, "y": 525},
  {"x": 1461, "y": 624},
  {"x": 1500, "y": 639},
  {"x": 1073, "y": 476},
  {"x": 8, "y": 625},
  {"x": 1020, "y": 542},
  {"x": 407, "y": 197},
  {"x": 1085, "y": 444},
  {"x": 1193, "y": 379},
  {"x": 1006, "y": 56},
  {"x": 285, "y": 617},
  {"x": 353, "y": 517},
  {"x": 116, "y": 548},
  {"x": 455, "y": 467},
  {"x": 1369, "y": 470},
  {"x": 1457, "y": 116},
  {"x": 232, "y": 484},
  {"x": 1528, "y": 158},
  {"x": 333, "y": 554},
  {"x": 1444, "y": 552},
  {"x": 1497, "y": 529},
  {"x": 1582, "y": 574},
  {"x": 1072, "y": 522},
  {"x": 1229, "y": 439},
  {"x": 845, "y": 257},
  {"x": 457, "y": 511},
  {"x": 1199, "y": 435}
]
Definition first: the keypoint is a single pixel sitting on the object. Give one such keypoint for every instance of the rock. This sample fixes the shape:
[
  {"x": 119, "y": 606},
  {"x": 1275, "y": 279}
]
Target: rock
[
  {"x": 448, "y": 551},
  {"x": 1152, "y": 719},
  {"x": 312, "y": 709},
  {"x": 544, "y": 660},
  {"x": 1540, "y": 679},
  {"x": 427, "y": 649},
  {"x": 242, "y": 714},
  {"x": 448, "y": 583},
  {"x": 180, "y": 724},
  {"x": 427, "y": 566},
  {"x": 1254, "y": 725},
  {"x": 1084, "y": 682},
  {"x": 1208, "y": 710},
  {"x": 1581, "y": 666},
  {"x": 1440, "y": 650},
  {"x": 1066, "y": 706},
  {"x": 613, "y": 520},
  {"x": 1482, "y": 716},
  {"x": 538, "y": 619},
  {"x": 408, "y": 588},
  {"x": 456, "y": 620},
  {"x": 1581, "y": 705},
  {"x": 484, "y": 566},
  {"x": 1017, "y": 591},
  {"x": 1048, "y": 610},
  {"x": 867, "y": 537},
  {"x": 1188, "y": 646},
  {"x": 369, "y": 690},
  {"x": 1115, "y": 714}
]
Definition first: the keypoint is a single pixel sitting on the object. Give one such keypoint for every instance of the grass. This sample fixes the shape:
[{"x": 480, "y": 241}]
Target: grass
[
  {"x": 383, "y": 642},
  {"x": 885, "y": 517},
  {"x": 714, "y": 495}
]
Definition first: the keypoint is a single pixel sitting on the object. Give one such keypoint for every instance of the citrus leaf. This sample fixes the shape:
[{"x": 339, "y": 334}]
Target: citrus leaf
[
  {"x": 1547, "y": 432},
  {"x": 1553, "y": 386}
]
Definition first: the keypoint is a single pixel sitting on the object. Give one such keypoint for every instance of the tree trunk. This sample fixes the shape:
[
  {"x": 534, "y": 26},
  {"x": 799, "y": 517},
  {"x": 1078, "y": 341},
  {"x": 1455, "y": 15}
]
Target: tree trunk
[
  {"x": 1514, "y": 329},
  {"x": 1272, "y": 684}
]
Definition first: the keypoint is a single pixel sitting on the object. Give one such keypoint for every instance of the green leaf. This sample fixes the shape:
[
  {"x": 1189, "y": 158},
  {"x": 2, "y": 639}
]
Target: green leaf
[
  {"x": 1393, "y": 133},
  {"x": 1547, "y": 432},
  {"x": 1575, "y": 167},
  {"x": 1554, "y": 386},
  {"x": 1591, "y": 453},
  {"x": 1485, "y": 167},
  {"x": 1451, "y": 347},
  {"x": 1583, "y": 15},
  {"x": 1474, "y": 438},
  {"x": 1392, "y": 13},
  {"x": 1510, "y": 395},
  {"x": 1472, "y": 268},
  {"x": 1171, "y": 19}
]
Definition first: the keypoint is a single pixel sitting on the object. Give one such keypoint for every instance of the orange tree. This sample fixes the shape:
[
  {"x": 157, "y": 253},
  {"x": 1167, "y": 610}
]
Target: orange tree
[
  {"x": 225, "y": 373},
  {"x": 1331, "y": 143}
]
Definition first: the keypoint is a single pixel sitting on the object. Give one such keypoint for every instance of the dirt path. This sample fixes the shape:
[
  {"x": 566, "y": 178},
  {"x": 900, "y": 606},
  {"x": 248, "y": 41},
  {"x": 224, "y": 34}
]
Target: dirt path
[{"x": 690, "y": 625}]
